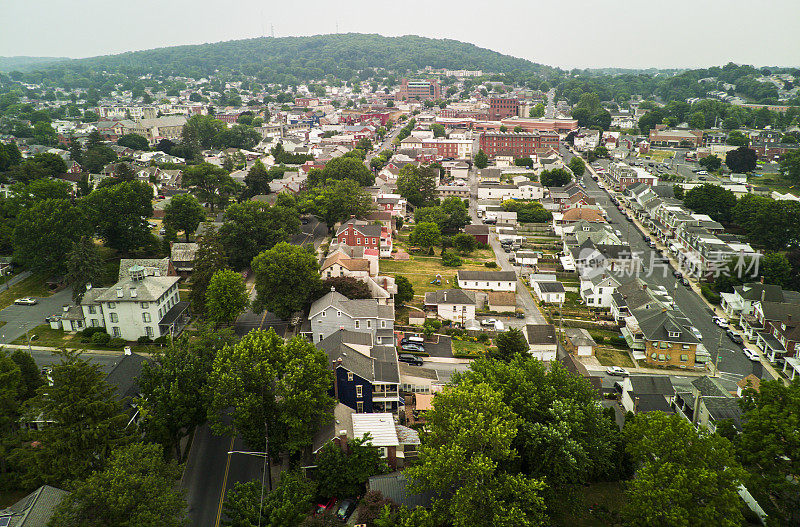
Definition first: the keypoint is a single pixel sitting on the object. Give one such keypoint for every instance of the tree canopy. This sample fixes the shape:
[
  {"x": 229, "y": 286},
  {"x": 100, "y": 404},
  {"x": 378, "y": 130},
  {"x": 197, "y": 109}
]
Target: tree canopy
[{"x": 286, "y": 277}]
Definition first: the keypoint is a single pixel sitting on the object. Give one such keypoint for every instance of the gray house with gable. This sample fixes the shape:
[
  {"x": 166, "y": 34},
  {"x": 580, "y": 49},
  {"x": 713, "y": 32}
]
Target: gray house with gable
[{"x": 334, "y": 311}]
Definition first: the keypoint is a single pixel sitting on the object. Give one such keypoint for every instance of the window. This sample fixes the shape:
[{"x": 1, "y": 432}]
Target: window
[
  {"x": 323, "y": 313},
  {"x": 369, "y": 324},
  {"x": 91, "y": 310},
  {"x": 661, "y": 356},
  {"x": 145, "y": 317},
  {"x": 360, "y": 407},
  {"x": 114, "y": 318},
  {"x": 95, "y": 323},
  {"x": 358, "y": 324},
  {"x": 349, "y": 375},
  {"x": 149, "y": 331},
  {"x": 112, "y": 305},
  {"x": 684, "y": 358},
  {"x": 338, "y": 313},
  {"x": 359, "y": 391},
  {"x": 686, "y": 346},
  {"x": 383, "y": 323},
  {"x": 145, "y": 305},
  {"x": 115, "y": 332}
]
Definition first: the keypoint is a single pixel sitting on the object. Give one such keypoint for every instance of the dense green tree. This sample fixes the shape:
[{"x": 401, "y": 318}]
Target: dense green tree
[
  {"x": 85, "y": 423},
  {"x": 338, "y": 201},
  {"x": 438, "y": 130},
  {"x": 537, "y": 111},
  {"x": 85, "y": 267},
  {"x": 351, "y": 287},
  {"x": 577, "y": 166},
  {"x": 238, "y": 136},
  {"x": 212, "y": 183},
  {"x": 9, "y": 156},
  {"x": 770, "y": 447},
  {"x": 31, "y": 376},
  {"x": 344, "y": 472},
  {"x": 123, "y": 228},
  {"x": 790, "y": 165},
  {"x": 468, "y": 449},
  {"x": 97, "y": 157},
  {"x": 737, "y": 138},
  {"x": 341, "y": 168},
  {"x": 678, "y": 191},
  {"x": 510, "y": 344},
  {"x": 710, "y": 199},
  {"x": 268, "y": 386},
  {"x": 173, "y": 385},
  {"x": 209, "y": 259},
  {"x": 12, "y": 390},
  {"x": 285, "y": 506},
  {"x": 286, "y": 277},
  {"x": 425, "y": 235},
  {"x": 431, "y": 214},
  {"x": 741, "y": 160},
  {"x": 417, "y": 184},
  {"x": 684, "y": 477},
  {"x": 257, "y": 179},
  {"x": 134, "y": 141},
  {"x": 54, "y": 164},
  {"x": 226, "y": 297},
  {"x": 137, "y": 488},
  {"x": 711, "y": 163},
  {"x": 557, "y": 177},
  {"x": 528, "y": 212},
  {"x": 45, "y": 233},
  {"x": 184, "y": 213},
  {"x": 200, "y": 132},
  {"x": 457, "y": 214},
  {"x": 481, "y": 160},
  {"x": 405, "y": 290},
  {"x": 768, "y": 223},
  {"x": 252, "y": 227},
  {"x": 44, "y": 134},
  {"x": 465, "y": 243}
]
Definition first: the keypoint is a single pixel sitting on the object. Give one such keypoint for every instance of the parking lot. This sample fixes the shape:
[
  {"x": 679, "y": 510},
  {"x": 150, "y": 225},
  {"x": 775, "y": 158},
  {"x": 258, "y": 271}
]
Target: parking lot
[{"x": 442, "y": 348}]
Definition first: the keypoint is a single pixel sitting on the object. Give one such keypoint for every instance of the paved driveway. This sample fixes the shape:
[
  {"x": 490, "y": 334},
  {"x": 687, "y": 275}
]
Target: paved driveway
[{"x": 19, "y": 319}]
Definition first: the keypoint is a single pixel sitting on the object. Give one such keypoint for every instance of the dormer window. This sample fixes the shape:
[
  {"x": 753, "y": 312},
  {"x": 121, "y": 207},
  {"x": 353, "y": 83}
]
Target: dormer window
[{"x": 673, "y": 334}]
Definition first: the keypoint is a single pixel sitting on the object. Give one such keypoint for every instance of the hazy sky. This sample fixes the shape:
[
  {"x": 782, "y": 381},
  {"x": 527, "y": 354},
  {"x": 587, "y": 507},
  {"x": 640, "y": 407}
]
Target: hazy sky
[{"x": 577, "y": 33}]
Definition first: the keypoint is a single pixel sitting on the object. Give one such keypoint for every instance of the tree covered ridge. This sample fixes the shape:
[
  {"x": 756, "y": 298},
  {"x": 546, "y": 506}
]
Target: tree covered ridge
[{"x": 311, "y": 57}]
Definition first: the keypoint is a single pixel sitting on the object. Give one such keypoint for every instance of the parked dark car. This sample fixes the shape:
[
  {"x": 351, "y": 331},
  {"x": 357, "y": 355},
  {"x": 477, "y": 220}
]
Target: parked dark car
[
  {"x": 411, "y": 346},
  {"x": 685, "y": 281},
  {"x": 346, "y": 508},
  {"x": 734, "y": 337},
  {"x": 677, "y": 274},
  {"x": 410, "y": 359}
]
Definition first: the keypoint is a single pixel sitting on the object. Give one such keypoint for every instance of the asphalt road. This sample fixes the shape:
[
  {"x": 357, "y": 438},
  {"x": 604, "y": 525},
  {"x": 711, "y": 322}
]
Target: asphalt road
[
  {"x": 19, "y": 319},
  {"x": 386, "y": 144},
  {"x": 733, "y": 364}
]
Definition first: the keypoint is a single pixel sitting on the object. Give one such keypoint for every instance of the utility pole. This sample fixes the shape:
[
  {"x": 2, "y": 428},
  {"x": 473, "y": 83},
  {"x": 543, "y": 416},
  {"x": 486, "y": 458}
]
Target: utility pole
[{"x": 719, "y": 352}]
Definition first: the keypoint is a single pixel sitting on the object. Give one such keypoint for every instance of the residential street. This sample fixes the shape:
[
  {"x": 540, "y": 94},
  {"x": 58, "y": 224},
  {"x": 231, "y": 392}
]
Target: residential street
[{"x": 733, "y": 364}]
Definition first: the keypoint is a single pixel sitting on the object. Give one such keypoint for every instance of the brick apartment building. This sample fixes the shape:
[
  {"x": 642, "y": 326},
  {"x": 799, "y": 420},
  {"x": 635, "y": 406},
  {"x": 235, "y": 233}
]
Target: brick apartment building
[
  {"x": 661, "y": 136},
  {"x": 517, "y": 144},
  {"x": 502, "y": 107},
  {"x": 420, "y": 89},
  {"x": 561, "y": 126}
]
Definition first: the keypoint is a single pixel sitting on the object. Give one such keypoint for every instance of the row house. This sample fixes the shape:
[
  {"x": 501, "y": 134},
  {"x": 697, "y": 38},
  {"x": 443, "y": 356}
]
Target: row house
[
  {"x": 667, "y": 339},
  {"x": 449, "y": 191},
  {"x": 394, "y": 204},
  {"x": 366, "y": 374},
  {"x": 456, "y": 305},
  {"x": 775, "y": 326},
  {"x": 339, "y": 264},
  {"x": 517, "y": 144},
  {"x": 334, "y": 311},
  {"x": 491, "y": 280},
  {"x": 621, "y": 175}
]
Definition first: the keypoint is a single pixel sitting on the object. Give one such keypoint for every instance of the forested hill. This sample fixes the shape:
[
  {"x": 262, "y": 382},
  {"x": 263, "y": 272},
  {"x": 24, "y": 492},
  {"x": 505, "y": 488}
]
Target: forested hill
[
  {"x": 341, "y": 55},
  {"x": 26, "y": 63}
]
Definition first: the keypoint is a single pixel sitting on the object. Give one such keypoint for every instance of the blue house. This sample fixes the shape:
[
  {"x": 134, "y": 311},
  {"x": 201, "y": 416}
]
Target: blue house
[{"x": 367, "y": 376}]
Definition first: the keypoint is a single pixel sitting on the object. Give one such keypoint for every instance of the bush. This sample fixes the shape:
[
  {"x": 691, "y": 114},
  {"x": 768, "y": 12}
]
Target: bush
[
  {"x": 483, "y": 338},
  {"x": 451, "y": 260},
  {"x": 117, "y": 343},
  {"x": 101, "y": 338},
  {"x": 161, "y": 340},
  {"x": 490, "y": 265},
  {"x": 144, "y": 339},
  {"x": 709, "y": 294}
]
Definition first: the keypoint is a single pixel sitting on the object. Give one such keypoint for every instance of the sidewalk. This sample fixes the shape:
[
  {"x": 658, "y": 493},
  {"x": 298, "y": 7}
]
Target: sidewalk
[{"x": 696, "y": 288}]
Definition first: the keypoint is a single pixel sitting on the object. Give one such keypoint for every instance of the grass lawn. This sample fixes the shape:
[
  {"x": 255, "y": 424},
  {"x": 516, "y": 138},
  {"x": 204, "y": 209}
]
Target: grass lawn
[
  {"x": 606, "y": 498},
  {"x": 613, "y": 357},
  {"x": 775, "y": 182},
  {"x": 659, "y": 155},
  {"x": 32, "y": 286},
  {"x": 421, "y": 270},
  {"x": 464, "y": 348},
  {"x": 56, "y": 338}
]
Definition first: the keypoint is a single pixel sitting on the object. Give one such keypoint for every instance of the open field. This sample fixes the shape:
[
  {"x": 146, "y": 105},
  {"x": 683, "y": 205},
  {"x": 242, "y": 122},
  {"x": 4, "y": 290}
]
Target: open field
[
  {"x": 775, "y": 182},
  {"x": 421, "y": 270},
  {"x": 464, "y": 348},
  {"x": 658, "y": 155}
]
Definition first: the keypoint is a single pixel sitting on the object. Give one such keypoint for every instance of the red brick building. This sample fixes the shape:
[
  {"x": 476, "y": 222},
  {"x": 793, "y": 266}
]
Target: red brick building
[
  {"x": 357, "y": 233},
  {"x": 561, "y": 126},
  {"x": 517, "y": 144},
  {"x": 502, "y": 107},
  {"x": 419, "y": 89}
]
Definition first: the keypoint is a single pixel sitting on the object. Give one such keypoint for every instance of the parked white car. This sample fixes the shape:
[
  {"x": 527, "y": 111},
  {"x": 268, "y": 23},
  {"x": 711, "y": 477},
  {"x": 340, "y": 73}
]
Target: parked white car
[
  {"x": 750, "y": 354},
  {"x": 617, "y": 371},
  {"x": 721, "y": 322}
]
